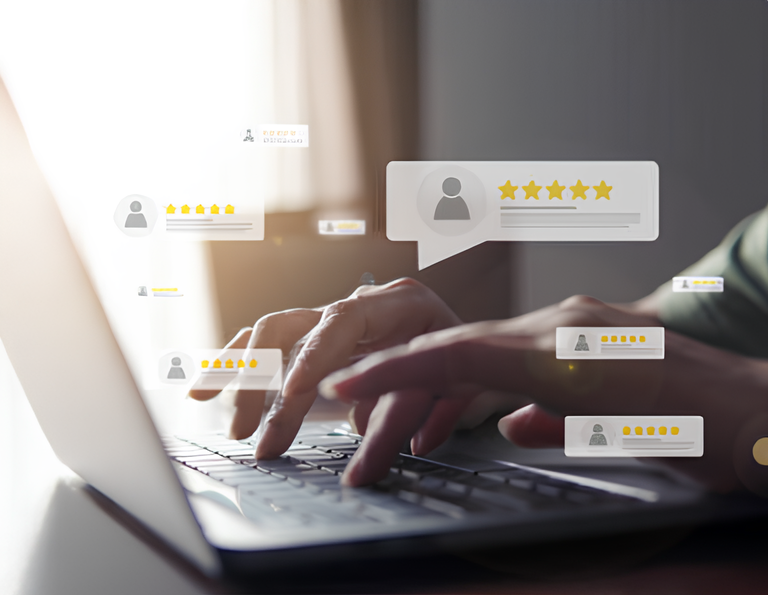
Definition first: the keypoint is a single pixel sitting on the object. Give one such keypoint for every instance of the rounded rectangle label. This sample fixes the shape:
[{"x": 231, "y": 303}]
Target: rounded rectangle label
[
  {"x": 634, "y": 436},
  {"x": 610, "y": 342},
  {"x": 449, "y": 207},
  {"x": 217, "y": 369},
  {"x": 698, "y": 284}
]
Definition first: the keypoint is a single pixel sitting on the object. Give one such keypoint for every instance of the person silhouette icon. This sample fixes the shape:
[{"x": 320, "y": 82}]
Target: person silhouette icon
[
  {"x": 598, "y": 438},
  {"x": 176, "y": 372},
  {"x": 685, "y": 284},
  {"x": 248, "y": 136},
  {"x": 451, "y": 207},
  {"x": 136, "y": 219},
  {"x": 581, "y": 344}
]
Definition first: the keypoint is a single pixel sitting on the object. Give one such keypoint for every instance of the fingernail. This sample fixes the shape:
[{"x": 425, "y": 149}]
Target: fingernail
[
  {"x": 416, "y": 444},
  {"x": 327, "y": 388}
]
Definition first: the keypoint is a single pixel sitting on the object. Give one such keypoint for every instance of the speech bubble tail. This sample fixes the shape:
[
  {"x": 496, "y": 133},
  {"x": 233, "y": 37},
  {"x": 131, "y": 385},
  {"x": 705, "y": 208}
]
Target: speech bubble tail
[{"x": 433, "y": 252}]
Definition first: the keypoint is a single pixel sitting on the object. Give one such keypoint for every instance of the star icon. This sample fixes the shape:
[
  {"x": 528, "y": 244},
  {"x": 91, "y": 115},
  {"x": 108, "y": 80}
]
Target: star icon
[
  {"x": 508, "y": 190},
  {"x": 555, "y": 191},
  {"x": 602, "y": 190},
  {"x": 578, "y": 190},
  {"x": 531, "y": 190}
]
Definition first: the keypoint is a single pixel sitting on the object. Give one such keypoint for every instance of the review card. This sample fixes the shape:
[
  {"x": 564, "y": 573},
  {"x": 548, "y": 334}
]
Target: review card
[
  {"x": 217, "y": 369},
  {"x": 634, "y": 436},
  {"x": 698, "y": 284},
  {"x": 591, "y": 342},
  {"x": 449, "y": 207}
]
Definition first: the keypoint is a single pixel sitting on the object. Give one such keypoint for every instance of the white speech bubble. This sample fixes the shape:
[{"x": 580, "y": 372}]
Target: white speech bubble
[{"x": 449, "y": 207}]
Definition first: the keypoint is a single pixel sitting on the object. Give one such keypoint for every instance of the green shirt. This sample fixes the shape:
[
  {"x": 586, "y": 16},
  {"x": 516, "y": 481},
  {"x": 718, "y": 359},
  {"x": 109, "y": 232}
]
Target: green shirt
[{"x": 737, "y": 318}]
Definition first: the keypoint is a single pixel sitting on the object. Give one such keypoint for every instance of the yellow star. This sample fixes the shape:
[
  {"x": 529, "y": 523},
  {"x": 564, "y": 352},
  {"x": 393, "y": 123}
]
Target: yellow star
[
  {"x": 531, "y": 190},
  {"x": 555, "y": 191},
  {"x": 229, "y": 210},
  {"x": 214, "y": 210},
  {"x": 185, "y": 210},
  {"x": 578, "y": 190},
  {"x": 200, "y": 209},
  {"x": 170, "y": 209},
  {"x": 602, "y": 190},
  {"x": 508, "y": 190}
]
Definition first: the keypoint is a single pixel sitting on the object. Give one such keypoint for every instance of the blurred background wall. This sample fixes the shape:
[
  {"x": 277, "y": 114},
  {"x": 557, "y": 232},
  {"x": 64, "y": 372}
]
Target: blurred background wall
[
  {"x": 680, "y": 82},
  {"x": 374, "y": 70}
]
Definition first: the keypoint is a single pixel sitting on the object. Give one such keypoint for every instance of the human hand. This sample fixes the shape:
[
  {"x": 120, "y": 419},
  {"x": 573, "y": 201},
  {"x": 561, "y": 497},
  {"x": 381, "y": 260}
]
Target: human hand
[
  {"x": 323, "y": 340},
  {"x": 399, "y": 386}
]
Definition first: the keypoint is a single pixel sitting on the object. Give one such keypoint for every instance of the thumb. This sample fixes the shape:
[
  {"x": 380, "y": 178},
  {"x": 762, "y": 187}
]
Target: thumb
[{"x": 532, "y": 427}]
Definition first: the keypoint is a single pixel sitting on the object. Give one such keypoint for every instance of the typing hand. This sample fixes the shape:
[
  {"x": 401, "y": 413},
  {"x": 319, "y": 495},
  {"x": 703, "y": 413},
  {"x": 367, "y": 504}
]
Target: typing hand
[
  {"x": 417, "y": 389},
  {"x": 323, "y": 340}
]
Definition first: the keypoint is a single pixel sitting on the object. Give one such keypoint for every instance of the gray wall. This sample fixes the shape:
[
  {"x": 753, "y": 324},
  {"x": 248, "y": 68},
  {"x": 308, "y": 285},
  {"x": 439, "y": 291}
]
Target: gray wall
[{"x": 676, "y": 81}]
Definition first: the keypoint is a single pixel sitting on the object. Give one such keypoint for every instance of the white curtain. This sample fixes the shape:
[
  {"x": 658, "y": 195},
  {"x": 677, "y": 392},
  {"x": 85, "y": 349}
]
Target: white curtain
[{"x": 144, "y": 97}]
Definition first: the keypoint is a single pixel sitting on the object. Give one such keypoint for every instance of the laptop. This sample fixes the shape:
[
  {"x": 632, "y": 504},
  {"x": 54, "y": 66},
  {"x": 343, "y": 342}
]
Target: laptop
[{"x": 208, "y": 498}]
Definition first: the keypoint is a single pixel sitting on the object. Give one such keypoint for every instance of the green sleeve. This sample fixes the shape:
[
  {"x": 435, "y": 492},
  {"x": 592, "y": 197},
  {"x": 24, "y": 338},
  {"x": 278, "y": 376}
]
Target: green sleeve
[{"x": 737, "y": 318}]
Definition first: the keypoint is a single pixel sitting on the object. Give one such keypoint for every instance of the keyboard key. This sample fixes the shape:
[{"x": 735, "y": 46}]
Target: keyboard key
[
  {"x": 222, "y": 467},
  {"x": 430, "y": 482},
  {"x": 408, "y": 496},
  {"x": 443, "y": 507},
  {"x": 226, "y": 475},
  {"x": 335, "y": 467},
  {"x": 210, "y": 457},
  {"x": 249, "y": 481},
  {"x": 549, "y": 490}
]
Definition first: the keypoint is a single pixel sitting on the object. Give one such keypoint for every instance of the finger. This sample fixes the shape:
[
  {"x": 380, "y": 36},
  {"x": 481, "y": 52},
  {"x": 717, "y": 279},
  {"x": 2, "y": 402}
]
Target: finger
[
  {"x": 283, "y": 422},
  {"x": 393, "y": 421},
  {"x": 532, "y": 427},
  {"x": 249, "y": 405},
  {"x": 371, "y": 320},
  {"x": 275, "y": 331},
  {"x": 328, "y": 347},
  {"x": 285, "y": 416},
  {"x": 442, "y": 421},
  {"x": 436, "y": 366},
  {"x": 283, "y": 330},
  {"x": 239, "y": 341},
  {"x": 361, "y": 413}
]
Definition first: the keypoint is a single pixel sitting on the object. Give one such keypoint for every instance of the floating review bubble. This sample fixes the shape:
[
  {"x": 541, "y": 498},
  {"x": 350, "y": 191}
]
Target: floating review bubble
[
  {"x": 219, "y": 369},
  {"x": 449, "y": 207},
  {"x": 634, "y": 436},
  {"x": 611, "y": 342}
]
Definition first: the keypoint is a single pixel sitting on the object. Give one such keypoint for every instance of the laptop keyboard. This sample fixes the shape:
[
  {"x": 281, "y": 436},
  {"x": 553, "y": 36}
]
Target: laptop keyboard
[{"x": 302, "y": 487}]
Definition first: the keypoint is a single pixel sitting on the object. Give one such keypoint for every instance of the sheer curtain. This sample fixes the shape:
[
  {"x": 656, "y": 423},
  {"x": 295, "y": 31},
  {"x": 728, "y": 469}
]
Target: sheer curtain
[{"x": 145, "y": 97}]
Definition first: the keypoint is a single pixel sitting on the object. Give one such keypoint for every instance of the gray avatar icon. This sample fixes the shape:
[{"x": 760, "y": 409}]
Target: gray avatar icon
[
  {"x": 176, "y": 372},
  {"x": 143, "y": 290},
  {"x": 581, "y": 344},
  {"x": 248, "y": 136},
  {"x": 685, "y": 284},
  {"x": 451, "y": 207},
  {"x": 598, "y": 438},
  {"x": 136, "y": 219}
]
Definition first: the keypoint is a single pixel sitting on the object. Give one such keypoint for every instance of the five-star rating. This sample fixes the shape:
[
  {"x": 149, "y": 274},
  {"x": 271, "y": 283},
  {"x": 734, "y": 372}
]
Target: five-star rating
[{"x": 579, "y": 190}]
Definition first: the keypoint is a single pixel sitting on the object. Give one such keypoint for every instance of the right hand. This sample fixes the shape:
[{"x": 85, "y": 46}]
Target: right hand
[{"x": 323, "y": 340}]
